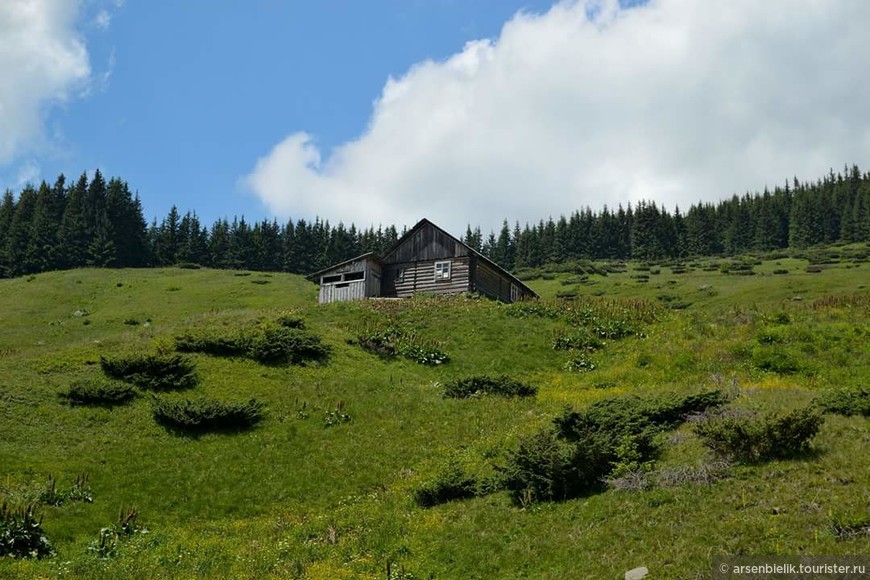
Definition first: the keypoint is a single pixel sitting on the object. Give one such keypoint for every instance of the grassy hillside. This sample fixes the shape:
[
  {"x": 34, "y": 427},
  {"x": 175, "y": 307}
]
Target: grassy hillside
[{"x": 323, "y": 486}]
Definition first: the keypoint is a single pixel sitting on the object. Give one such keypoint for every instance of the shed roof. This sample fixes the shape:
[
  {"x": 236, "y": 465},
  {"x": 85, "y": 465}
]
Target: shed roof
[{"x": 315, "y": 276}]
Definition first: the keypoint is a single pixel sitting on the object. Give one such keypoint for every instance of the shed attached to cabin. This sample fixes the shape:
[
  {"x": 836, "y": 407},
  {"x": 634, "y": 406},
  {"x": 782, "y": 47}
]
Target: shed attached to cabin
[{"x": 425, "y": 259}]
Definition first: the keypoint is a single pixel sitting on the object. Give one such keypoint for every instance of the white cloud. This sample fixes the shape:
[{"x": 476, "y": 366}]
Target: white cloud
[
  {"x": 42, "y": 61},
  {"x": 675, "y": 101},
  {"x": 28, "y": 173},
  {"x": 103, "y": 19}
]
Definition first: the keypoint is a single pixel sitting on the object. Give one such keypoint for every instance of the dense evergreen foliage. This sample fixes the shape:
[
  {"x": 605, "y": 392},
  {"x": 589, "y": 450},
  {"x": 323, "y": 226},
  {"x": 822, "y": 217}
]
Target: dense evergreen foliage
[{"x": 98, "y": 223}]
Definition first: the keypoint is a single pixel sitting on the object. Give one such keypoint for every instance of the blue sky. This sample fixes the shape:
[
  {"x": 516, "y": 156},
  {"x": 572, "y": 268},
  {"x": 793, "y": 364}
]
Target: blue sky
[{"x": 464, "y": 111}]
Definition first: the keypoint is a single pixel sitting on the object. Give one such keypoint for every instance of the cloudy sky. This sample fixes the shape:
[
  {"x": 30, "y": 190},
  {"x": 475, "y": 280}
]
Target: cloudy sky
[{"x": 463, "y": 111}]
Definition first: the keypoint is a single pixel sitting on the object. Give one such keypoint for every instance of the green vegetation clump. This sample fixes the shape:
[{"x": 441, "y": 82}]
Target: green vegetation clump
[
  {"x": 284, "y": 343},
  {"x": 752, "y": 439},
  {"x": 502, "y": 386},
  {"x": 79, "y": 491},
  {"x": 581, "y": 339},
  {"x": 635, "y": 415},
  {"x": 780, "y": 360},
  {"x": 846, "y": 401},
  {"x": 546, "y": 467},
  {"x": 98, "y": 392},
  {"x": 392, "y": 340},
  {"x": 156, "y": 372},
  {"x": 110, "y": 538},
  {"x": 449, "y": 483},
  {"x": 212, "y": 343},
  {"x": 21, "y": 534},
  {"x": 204, "y": 414},
  {"x": 582, "y": 448}
]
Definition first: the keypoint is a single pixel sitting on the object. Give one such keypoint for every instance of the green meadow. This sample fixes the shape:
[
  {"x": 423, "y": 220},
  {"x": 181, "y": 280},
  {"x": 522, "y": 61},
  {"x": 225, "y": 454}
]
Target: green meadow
[{"x": 324, "y": 485}]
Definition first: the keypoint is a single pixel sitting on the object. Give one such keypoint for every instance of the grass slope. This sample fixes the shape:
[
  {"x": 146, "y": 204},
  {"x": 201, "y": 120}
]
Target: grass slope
[{"x": 293, "y": 497}]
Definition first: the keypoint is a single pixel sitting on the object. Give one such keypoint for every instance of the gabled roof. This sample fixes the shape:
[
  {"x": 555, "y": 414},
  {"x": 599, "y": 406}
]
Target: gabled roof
[{"x": 315, "y": 277}]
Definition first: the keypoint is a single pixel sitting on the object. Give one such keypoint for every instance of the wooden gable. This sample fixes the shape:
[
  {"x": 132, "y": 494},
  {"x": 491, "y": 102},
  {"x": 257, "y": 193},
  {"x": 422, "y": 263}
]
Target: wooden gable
[{"x": 425, "y": 242}]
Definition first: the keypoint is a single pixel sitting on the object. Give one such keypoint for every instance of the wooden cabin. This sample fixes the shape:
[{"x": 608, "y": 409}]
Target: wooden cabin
[{"x": 425, "y": 259}]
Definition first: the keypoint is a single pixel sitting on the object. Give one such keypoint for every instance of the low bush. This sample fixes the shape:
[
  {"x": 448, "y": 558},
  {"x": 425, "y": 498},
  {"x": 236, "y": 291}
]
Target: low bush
[
  {"x": 283, "y": 343},
  {"x": 450, "y": 483},
  {"x": 548, "y": 468},
  {"x": 503, "y": 386},
  {"x": 611, "y": 438},
  {"x": 98, "y": 392},
  {"x": 751, "y": 439},
  {"x": 846, "y": 401},
  {"x": 205, "y": 414},
  {"x": 212, "y": 343},
  {"x": 21, "y": 534},
  {"x": 634, "y": 415},
  {"x": 158, "y": 372}
]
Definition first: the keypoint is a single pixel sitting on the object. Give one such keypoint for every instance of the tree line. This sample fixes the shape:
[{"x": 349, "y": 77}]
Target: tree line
[{"x": 98, "y": 223}]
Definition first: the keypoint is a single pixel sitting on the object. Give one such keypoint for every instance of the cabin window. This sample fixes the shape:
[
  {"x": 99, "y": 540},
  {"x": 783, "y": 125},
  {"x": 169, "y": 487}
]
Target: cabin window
[
  {"x": 515, "y": 293},
  {"x": 442, "y": 271},
  {"x": 400, "y": 275},
  {"x": 347, "y": 277}
]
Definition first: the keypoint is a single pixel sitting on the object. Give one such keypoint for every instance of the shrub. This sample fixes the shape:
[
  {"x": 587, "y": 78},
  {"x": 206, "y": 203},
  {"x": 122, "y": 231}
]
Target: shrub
[
  {"x": 21, "y": 534},
  {"x": 188, "y": 266},
  {"x": 213, "y": 344},
  {"x": 98, "y": 392},
  {"x": 159, "y": 372},
  {"x": 760, "y": 438},
  {"x": 450, "y": 483},
  {"x": 846, "y": 401},
  {"x": 613, "y": 437},
  {"x": 634, "y": 415},
  {"x": 547, "y": 468},
  {"x": 284, "y": 343},
  {"x": 484, "y": 385},
  {"x": 205, "y": 414}
]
